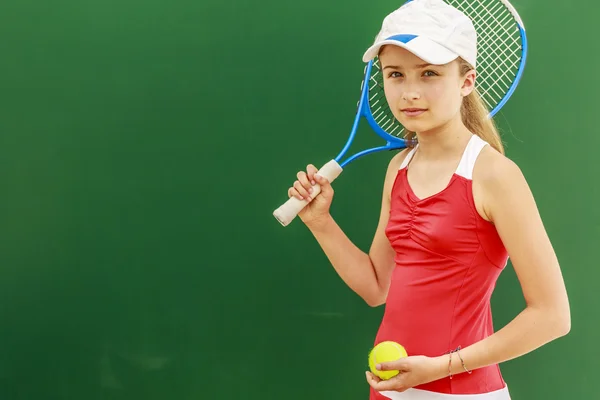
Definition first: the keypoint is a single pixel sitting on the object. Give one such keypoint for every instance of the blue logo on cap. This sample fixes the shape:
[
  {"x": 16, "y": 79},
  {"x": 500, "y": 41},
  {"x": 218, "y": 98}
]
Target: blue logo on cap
[{"x": 402, "y": 38}]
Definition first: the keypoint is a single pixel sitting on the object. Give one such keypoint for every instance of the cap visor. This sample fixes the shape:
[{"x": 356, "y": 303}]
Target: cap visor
[{"x": 427, "y": 50}]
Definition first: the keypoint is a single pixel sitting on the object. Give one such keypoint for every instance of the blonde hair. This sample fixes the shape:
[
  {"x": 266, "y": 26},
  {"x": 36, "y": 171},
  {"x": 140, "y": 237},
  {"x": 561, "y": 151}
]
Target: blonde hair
[{"x": 474, "y": 115}]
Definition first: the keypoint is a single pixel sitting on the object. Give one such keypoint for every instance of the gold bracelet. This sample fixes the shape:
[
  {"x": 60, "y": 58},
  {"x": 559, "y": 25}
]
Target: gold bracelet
[
  {"x": 450, "y": 365},
  {"x": 461, "y": 360}
]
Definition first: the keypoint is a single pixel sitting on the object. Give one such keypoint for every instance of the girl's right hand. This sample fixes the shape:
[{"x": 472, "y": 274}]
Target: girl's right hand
[{"x": 317, "y": 210}]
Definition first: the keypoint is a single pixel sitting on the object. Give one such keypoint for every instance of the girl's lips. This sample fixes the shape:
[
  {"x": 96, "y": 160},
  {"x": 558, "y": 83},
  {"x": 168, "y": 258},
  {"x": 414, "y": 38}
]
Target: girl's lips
[{"x": 413, "y": 112}]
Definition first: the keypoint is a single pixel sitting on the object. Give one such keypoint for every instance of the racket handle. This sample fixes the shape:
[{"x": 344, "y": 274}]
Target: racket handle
[{"x": 290, "y": 209}]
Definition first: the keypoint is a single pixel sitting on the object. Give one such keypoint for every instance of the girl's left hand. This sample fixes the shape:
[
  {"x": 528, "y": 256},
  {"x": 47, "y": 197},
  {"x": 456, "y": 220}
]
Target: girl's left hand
[{"x": 414, "y": 371}]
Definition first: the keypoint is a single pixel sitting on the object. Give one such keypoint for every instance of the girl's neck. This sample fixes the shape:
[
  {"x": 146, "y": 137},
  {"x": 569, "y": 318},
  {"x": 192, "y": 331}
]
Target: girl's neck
[{"x": 445, "y": 141}]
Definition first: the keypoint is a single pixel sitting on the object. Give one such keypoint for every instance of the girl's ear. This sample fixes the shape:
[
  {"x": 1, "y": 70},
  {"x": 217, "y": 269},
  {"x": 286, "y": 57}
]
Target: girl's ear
[{"x": 468, "y": 83}]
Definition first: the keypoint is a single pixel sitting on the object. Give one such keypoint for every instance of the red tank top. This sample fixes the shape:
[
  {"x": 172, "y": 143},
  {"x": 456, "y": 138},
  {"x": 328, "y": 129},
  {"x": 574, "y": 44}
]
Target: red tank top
[{"x": 448, "y": 259}]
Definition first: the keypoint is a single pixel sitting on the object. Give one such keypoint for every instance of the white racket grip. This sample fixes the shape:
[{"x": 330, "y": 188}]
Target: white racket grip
[{"x": 290, "y": 209}]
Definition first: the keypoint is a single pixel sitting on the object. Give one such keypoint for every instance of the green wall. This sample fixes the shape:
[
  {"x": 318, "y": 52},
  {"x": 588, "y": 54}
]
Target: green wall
[{"x": 143, "y": 148}]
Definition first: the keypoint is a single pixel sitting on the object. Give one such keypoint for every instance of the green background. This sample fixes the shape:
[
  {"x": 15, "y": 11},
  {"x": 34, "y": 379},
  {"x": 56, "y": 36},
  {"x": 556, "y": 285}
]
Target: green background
[{"x": 143, "y": 148}]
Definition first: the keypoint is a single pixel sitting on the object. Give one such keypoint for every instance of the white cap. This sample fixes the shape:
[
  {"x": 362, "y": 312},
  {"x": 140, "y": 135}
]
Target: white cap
[{"x": 432, "y": 30}]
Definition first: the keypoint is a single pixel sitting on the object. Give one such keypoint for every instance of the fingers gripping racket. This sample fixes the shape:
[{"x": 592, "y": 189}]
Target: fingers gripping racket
[{"x": 502, "y": 51}]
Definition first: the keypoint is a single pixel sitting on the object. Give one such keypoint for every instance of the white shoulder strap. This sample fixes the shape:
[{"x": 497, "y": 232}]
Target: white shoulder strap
[
  {"x": 467, "y": 163},
  {"x": 408, "y": 157}
]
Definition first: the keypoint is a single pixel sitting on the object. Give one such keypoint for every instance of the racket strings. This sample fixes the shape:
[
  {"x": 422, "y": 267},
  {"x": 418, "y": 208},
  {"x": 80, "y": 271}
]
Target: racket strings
[
  {"x": 499, "y": 47},
  {"x": 499, "y": 58}
]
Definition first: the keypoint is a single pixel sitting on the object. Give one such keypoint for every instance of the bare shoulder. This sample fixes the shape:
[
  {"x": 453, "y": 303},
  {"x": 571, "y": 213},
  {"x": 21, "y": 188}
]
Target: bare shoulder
[
  {"x": 396, "y": 161},
  {"x": 493, "y": 168},
  {"x": 392, "y": 170},
  {"x": 494, "y": 177}
]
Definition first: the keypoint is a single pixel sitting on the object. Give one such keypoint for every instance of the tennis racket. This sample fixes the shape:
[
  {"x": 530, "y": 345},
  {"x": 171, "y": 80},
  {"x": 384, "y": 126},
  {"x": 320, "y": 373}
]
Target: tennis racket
[{"x": 502, "y": 51}]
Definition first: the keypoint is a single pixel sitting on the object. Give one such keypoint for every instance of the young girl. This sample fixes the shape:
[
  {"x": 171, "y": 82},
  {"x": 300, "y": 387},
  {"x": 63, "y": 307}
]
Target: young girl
[{"x": 454, "y": 208}]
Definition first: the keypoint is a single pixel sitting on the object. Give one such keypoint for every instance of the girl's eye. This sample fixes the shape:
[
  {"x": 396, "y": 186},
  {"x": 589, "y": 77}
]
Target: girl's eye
[
  {"x": 395, "y": 74},
  {"x": 430, "y": 73}
]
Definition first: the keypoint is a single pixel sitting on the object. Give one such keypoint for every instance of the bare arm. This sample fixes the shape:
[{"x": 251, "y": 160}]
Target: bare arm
[
  {"x": 366, "y": 274},
  {"x": 508, "y": 202}
]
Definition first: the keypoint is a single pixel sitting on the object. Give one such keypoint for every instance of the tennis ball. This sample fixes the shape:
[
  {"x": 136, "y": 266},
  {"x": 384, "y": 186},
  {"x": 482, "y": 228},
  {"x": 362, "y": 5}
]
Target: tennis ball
[{"x": 384, "y": 352}]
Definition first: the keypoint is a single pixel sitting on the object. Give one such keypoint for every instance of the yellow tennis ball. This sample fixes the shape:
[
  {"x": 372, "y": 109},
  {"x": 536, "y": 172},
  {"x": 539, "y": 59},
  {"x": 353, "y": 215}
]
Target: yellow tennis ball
[{"x": 385, "y": 352}]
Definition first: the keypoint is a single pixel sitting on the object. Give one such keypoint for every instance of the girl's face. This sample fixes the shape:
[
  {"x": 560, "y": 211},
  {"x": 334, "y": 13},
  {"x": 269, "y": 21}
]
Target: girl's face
[{"x": 421, "y": 96}]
